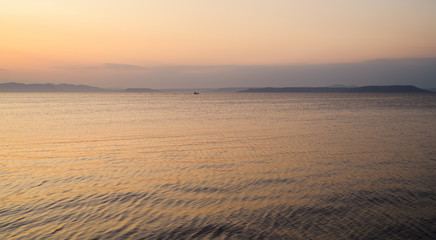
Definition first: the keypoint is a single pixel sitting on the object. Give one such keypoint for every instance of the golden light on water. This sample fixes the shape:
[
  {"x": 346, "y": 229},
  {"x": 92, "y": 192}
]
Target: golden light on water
[{"x": 83, "y": 165}]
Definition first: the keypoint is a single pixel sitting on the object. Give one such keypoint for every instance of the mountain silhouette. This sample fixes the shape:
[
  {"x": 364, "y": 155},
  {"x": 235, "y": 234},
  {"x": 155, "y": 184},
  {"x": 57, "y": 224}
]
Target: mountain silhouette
[
  {"x": 364, "y": 89},
  {"x": 48, "y": 87}
]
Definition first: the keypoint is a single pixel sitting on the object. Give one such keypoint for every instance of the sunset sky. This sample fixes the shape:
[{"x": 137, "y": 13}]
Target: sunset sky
[{"x": 188, "y": 43}]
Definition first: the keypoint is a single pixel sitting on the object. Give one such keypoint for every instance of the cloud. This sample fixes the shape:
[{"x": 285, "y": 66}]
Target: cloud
[
  {"x": 1, "y": 69},
  {"x": 420, "y": 72},
  {"x": 76, "y": 68},
  {"x": 120, "y": 66},
  {"x": 104, "y": 66},
  {"x": 189, "y": 69}
]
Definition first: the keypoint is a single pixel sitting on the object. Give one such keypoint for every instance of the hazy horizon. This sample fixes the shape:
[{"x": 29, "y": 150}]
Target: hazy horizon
[
  {"x": 420, "y": 72},
  {"x": 191, "y": 44}
]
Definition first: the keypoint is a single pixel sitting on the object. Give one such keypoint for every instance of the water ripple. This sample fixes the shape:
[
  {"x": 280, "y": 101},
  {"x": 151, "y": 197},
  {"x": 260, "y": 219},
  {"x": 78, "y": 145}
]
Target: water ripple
[{"x": 223, "y": 166}]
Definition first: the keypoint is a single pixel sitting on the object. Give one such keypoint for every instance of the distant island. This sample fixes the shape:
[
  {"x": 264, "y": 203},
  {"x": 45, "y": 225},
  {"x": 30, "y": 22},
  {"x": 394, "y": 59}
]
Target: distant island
[
  {"x": 365, "y": 89},
  {"x": 49, "y": 87}
]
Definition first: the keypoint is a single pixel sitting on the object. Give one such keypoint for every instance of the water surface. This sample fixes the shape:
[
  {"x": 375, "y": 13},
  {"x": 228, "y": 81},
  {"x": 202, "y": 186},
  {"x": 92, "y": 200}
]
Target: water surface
[{"x": 224, "y": 165}]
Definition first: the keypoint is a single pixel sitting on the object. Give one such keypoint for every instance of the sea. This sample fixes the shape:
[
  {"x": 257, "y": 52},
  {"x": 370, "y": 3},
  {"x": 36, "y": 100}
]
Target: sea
[{"x": 217, "y": 166}]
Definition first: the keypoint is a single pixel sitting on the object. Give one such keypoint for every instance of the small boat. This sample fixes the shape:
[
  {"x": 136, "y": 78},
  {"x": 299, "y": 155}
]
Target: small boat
[{"x": 196, "y": 93}]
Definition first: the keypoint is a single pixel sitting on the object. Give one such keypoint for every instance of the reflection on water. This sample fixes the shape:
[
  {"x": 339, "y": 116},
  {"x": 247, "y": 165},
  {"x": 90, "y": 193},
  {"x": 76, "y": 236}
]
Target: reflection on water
[{"x": 238, "y": 166}]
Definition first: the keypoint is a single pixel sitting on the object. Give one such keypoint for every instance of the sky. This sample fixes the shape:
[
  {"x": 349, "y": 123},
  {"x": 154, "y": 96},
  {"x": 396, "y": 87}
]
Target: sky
[{"x": 205, "y": 43}]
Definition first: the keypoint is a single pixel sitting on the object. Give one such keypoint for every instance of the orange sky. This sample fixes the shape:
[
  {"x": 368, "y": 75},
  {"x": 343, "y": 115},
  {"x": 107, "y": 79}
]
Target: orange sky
[{"x": 37, "y": 35}]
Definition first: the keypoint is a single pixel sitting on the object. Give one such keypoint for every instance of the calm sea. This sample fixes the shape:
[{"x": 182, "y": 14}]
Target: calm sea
[{"x": 217, "y": 165}]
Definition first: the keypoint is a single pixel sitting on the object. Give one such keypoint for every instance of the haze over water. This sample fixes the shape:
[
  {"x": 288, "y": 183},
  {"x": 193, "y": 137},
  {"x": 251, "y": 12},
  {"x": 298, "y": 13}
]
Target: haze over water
[{"x": 225, "y": 166}]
